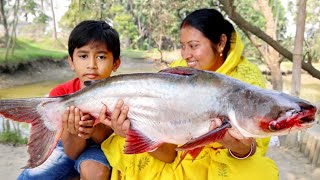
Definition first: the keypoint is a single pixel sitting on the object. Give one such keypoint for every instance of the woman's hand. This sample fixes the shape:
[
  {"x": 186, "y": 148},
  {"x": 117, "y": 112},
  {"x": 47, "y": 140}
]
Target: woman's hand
[
  {"x": 120, "y": 125},
  {"x": 118, "y": 122},
  {"x": 239, "y": 146}
]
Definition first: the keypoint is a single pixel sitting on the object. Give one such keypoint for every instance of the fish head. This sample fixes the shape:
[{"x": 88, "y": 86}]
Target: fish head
[{"x": 289, "y": 114}]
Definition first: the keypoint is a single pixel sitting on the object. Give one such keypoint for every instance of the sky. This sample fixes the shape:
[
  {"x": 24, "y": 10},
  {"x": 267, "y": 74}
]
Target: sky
[{"x": 59, "y": 7}]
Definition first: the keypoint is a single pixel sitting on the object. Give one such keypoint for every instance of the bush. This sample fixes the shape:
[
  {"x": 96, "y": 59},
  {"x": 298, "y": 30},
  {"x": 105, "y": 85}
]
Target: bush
[{"x": 12, "y": 138}]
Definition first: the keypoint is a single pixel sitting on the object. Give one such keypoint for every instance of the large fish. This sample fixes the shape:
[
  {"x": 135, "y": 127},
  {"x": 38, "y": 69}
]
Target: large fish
[{"x": 174, "y": 106}]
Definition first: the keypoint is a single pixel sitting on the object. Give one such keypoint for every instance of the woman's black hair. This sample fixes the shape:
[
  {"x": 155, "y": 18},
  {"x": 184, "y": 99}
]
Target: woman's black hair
[
  {"x": 94, "y": 31},
  {"x": 212, "y": 24}
]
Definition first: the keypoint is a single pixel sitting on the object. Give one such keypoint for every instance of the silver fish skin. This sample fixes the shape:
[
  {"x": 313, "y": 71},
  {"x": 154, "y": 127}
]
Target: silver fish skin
[{"x": 176, "y": 105}]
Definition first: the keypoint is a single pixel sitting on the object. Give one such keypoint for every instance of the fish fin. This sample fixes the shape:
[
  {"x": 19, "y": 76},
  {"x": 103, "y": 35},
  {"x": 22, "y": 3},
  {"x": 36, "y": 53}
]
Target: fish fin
[
  {"x": 42, "y": 140},
  {"x": 136, "y": 143},
  {"x": 179, "y": 70},
  {"x": 183, "y": 155},
  {"x": 207, "y": 138},
  {"x": 193, "y": 152},
  {"x": 41, "y": 143}
]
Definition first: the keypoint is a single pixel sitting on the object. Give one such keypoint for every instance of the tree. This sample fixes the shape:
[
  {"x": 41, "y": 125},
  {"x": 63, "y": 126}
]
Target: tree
[
  {"x": 10, "y": 46},
  {"x": 80, "y": 10},
  {"x": 312, "y": 30},
  {"x": 265, "y": 15},
  {"x": 298, "y": 48},
  {"x": 230, "y": 10},
  {"x": 123, "y": 22},
  {"x": 29, "y": 7},
  {"x": 3, "y": 18},
  {"x": 54, "y": 21},
  {"x": 156, "y": 24}
]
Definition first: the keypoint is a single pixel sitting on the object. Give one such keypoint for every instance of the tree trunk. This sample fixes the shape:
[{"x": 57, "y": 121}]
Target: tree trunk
[
  {"x": 12, "y": 40},
  {"x": 276, "y": 76},
  {"x": 298, "y": 48},
  {"x": 271, "y": 55},
  {"x": 160, "y": 41},
  {"x": 42, "y": 7},
  {"x": 3, "y": 123},
  {"x": 7, "y": 129},
  {"x": 4, "y": 21},
  {"x": 54, "y": 22}
]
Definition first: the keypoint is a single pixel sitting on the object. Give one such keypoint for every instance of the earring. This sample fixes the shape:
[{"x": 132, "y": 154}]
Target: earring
[{"x": 221, "y": 52}]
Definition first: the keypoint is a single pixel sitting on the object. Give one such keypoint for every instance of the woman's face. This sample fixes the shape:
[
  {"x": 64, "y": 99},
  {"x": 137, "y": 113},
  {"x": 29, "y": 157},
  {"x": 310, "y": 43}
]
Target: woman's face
[{"x": 198, "y": 51}]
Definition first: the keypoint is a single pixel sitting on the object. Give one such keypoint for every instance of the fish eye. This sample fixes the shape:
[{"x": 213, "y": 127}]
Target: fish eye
[{"x": 274, "y": 126}]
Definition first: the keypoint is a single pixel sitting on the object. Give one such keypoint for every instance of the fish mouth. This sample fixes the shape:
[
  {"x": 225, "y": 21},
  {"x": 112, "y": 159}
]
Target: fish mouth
[
  {"x": 307, "y": 114},
  {"x": 303, "y": 117},
  {"x": 293, "y": 118}
]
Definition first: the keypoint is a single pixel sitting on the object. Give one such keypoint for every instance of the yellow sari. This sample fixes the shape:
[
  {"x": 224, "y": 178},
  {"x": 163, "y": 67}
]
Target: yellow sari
[{"x": 211, "y": 163}]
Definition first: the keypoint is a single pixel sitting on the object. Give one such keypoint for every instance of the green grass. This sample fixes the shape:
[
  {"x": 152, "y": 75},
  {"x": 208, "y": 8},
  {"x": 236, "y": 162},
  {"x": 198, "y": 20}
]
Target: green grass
[
  {"x": 135, "y": 54},
  {"x": 28, "y": 50},
  {"x": 141, "y": 54},
  {"x": 12, "y": 138}
]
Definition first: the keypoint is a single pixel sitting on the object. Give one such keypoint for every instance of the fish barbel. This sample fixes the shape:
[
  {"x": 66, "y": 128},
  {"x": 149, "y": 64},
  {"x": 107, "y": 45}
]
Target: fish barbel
[{"x": 176, "y": 105}]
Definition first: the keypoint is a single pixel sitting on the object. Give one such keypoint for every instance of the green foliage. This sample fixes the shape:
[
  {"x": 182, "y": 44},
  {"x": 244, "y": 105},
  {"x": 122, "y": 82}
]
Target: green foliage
[
  {"x": 312, "y": 30},
  {"x": 141, "y": 24},
  {"x": 124, "y": 23},
  {"x": 12, "y": 138},
  {"x": 251, "y": 12},
  {"x": 133, "y": 53},
  {"x": 144, "y": 24},
  {"x": 42, "y": 18},
  {"x": 80, "y": 10},
  {"x": 29, "y": 6}
]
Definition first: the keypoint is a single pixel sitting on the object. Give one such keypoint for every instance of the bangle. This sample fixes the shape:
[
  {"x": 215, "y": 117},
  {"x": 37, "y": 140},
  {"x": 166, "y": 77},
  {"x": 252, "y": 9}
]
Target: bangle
[{"x": 245, "y": 157}]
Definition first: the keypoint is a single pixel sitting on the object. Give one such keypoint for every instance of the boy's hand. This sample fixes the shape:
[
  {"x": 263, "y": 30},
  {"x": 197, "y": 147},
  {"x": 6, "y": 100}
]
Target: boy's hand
[
  {"x": 86, "y": 128},
  {"x": 70, "y": 120},
  {"x": 76, "y": 123},
  {"x": 118, "y": 122}
]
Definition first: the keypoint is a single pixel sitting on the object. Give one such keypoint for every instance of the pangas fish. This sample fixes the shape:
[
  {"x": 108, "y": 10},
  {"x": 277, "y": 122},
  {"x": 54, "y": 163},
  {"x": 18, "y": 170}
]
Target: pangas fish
[{"x": 176, "y": 105}]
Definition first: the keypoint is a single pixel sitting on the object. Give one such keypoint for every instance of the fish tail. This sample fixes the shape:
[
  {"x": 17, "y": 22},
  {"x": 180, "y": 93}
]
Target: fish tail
[
  {"x": 42, "y": 140},
  {"x": 21, "y": 110}
]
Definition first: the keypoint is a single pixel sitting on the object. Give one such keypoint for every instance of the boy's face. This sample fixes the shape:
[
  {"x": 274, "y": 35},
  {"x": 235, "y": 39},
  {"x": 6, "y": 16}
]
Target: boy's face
[{"x": 93, "y": 62}]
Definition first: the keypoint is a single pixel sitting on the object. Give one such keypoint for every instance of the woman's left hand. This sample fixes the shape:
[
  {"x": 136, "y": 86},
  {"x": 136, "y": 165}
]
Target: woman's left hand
[
  {"x": 118, "y": 121},
  {"x": 240, "y": 147}
]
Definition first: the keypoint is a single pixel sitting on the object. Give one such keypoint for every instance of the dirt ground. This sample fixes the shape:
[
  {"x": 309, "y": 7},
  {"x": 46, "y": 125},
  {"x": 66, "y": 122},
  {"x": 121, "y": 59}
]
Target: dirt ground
[{"x": 292, "y": 164}]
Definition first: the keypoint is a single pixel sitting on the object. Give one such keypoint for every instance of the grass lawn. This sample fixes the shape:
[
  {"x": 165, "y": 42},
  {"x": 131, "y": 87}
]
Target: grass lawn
[{"x": 28, "y": 50}]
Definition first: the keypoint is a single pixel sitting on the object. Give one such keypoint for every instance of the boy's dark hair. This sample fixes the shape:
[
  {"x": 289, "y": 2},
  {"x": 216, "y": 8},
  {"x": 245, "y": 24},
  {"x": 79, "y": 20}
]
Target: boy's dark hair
[
  {"x": 212, "y": 25},
  {"x": 94, "y": 31}
]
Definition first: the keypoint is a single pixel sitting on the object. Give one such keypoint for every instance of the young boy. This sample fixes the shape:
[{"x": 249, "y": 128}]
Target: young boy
[{"x": 94, "y": 52}]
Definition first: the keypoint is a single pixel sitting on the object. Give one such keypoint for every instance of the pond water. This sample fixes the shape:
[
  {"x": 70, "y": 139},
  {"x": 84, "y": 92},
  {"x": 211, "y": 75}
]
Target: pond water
[{"x": 41, "y": 89}]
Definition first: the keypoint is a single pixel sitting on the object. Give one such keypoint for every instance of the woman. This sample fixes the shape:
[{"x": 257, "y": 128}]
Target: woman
[{"x": 208, "y": 42}]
